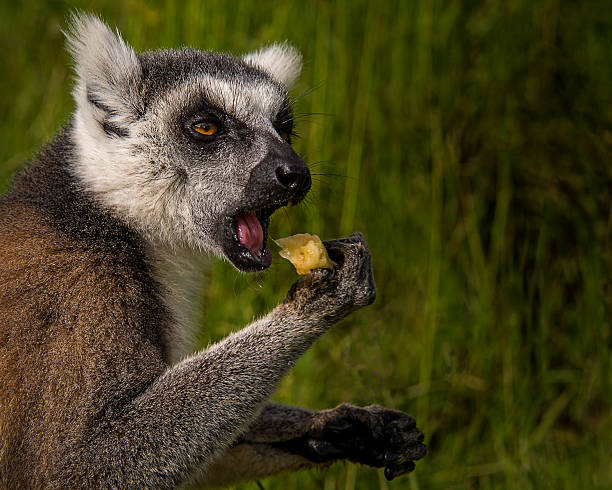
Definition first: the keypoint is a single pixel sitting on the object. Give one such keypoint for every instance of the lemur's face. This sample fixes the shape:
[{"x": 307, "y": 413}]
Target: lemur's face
[
  {"x": 192, "y": 148},
  {"x": 219, "y": 130}
]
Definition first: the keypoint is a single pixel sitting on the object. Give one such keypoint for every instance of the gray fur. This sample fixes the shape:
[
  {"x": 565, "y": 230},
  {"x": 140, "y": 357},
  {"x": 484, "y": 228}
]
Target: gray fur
[{"x": 97, "y": 240}]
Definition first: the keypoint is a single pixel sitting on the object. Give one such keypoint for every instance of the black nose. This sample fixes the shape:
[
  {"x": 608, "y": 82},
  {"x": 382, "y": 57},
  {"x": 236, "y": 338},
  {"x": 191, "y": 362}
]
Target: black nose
[{"x": 294, "y": 177}]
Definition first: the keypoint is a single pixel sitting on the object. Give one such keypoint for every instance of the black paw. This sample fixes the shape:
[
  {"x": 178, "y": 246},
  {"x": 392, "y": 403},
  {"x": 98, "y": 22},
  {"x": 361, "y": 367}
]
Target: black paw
[{"x": 374, "y": 436}]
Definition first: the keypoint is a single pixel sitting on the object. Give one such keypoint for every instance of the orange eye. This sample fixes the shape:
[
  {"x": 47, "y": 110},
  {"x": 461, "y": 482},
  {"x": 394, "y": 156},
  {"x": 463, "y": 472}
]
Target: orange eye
[
  {"x": 284, "y": 135},
  {"x": 206, "y": 128}
]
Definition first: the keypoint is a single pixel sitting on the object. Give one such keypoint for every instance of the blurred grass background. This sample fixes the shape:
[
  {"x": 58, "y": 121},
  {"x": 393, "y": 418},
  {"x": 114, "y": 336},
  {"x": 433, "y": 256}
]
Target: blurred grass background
[{"x": 472, "y": 143}]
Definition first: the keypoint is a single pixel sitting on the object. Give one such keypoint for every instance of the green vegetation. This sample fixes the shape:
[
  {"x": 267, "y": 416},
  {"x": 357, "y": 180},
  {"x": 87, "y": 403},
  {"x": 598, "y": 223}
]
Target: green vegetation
[{"x": 472, "y": 143}]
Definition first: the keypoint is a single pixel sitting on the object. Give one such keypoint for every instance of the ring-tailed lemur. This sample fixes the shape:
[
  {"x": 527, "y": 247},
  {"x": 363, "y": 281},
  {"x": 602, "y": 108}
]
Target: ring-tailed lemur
[{"x": 168, "y": 154}]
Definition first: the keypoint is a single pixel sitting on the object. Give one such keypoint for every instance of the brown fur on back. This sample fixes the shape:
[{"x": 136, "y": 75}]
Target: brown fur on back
[{"x": 51, "y": 355}]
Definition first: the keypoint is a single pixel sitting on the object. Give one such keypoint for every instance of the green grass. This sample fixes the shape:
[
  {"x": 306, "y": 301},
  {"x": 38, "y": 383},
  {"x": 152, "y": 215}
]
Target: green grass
[{"x": 472, "y": 144}]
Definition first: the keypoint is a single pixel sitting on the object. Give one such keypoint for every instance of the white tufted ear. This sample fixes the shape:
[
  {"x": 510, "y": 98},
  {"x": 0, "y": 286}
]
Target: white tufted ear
[
  {"x": 280, "y": 60},
  {"x": 108, "y": 72}
]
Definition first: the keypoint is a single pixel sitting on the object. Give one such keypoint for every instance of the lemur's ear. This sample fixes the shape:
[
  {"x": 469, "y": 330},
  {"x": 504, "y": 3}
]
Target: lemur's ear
[
  {"x": 282, "y": 61},
  {"x": 108, "y": 73}
]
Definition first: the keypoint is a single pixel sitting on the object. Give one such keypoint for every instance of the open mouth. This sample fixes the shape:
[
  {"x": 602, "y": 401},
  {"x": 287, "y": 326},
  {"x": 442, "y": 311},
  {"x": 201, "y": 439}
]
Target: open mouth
[{"x": 246, "y": 234}]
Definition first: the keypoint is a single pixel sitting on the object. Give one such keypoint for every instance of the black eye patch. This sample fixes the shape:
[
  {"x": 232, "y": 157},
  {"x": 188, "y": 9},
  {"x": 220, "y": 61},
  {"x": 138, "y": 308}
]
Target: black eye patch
[{"x": 198, "y": 122}]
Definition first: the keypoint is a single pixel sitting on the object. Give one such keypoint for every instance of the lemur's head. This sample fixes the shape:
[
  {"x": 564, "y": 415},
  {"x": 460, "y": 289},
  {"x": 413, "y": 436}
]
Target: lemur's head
[{"x": 191, "y": 148}]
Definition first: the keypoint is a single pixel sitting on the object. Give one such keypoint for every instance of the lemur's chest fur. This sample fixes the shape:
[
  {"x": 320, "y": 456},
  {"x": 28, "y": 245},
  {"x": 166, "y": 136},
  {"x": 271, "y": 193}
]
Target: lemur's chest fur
[{"x": 178, "y": 274}]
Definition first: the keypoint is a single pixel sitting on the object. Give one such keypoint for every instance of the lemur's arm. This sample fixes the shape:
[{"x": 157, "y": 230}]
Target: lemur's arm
[
  {"x": 289, "y": 438},
  {"x": 194, "y": 411}
]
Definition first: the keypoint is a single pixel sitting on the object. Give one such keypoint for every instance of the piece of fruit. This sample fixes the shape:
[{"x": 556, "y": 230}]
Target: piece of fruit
[{"x": 305, "y": 252}]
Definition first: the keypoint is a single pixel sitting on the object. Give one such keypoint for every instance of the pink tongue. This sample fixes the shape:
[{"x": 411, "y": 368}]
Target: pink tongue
[{"x": 250, "y": 232}]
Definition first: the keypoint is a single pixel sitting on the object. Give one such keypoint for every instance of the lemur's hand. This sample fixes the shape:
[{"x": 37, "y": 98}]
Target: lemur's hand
[
  {"x": 374, "y": 436},
  {"x": 333, "y": 294}
]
